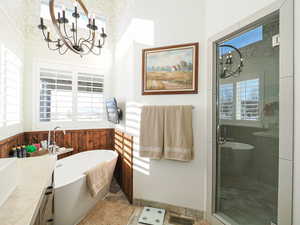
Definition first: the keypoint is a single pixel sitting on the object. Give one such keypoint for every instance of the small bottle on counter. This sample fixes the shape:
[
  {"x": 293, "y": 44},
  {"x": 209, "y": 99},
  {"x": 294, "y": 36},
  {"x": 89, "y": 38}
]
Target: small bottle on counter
[
  {"x": 19, "y": 152},
  {"x": 24, "y": 151},
  {"x": 13, "y": 152}
]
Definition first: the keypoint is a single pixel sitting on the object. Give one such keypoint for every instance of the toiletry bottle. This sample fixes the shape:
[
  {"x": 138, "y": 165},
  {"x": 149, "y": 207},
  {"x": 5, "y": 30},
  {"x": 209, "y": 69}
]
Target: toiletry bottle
[
  {"x": 24, "y": 152},
  {"x": 13, "y": 152},
  {"x": 19, "y": 152}
]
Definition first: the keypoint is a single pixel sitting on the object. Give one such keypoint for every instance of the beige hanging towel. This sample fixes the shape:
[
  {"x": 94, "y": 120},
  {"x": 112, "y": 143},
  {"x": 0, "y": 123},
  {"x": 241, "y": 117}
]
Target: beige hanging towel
[
  {"x": 178, "y": 133},
  {"x": 97, "y": 178},
  {"x": 151, "y": 132}
]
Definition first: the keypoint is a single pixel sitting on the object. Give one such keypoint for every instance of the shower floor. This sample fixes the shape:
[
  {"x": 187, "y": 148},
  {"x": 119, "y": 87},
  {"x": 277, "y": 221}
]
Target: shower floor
[{"x": 247, "y": 201}]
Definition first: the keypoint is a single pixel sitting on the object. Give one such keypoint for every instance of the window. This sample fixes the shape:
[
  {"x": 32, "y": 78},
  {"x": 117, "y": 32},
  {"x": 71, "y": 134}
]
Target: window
[
  {"x": 226, "y": 101},
  {"x": 67, "y": 96},
  {"x": 245, "y": 39},
  {"x": 55, "y": 95},
  {"x": 240, "y": 100},
  {"x": 247, "y": 100},
  {"x": 90, "y": 97},
  {"x": 10, "y": 88}
]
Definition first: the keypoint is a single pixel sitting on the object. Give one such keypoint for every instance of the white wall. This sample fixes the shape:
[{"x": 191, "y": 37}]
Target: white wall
[
  {"x": 222, "y": 14},
  {"x": 144, "y": 24},
  {"x": 12, "y": 38}
]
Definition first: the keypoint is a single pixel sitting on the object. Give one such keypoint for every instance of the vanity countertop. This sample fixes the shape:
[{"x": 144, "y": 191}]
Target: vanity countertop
[{"x": 22, "y": 205}]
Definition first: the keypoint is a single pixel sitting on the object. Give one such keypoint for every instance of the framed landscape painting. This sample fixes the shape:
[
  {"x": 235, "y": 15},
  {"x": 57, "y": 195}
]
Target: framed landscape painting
[{"x": 170, "y": 70}]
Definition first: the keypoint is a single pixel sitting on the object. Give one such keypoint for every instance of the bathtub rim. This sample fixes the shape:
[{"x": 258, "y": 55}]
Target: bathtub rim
[{"x": 114, "y": 153}]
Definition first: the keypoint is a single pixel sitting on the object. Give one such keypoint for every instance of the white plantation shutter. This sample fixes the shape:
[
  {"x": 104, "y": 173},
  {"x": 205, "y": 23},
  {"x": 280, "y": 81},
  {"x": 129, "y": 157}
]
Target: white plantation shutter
[
  {"x": 247, "y": 100},
  {"x": 226, "y": 102},
  {"x": 56, "y": 95},
  {"x": 2, "y": 99},
  {"x": 90, "y": 97},
  {"x": 70, "y": 96},
  {"x": 10, "y": 88}
]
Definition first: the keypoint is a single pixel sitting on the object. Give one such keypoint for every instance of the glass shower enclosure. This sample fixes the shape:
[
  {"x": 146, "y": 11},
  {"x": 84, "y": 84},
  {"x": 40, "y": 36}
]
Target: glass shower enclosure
[{"x": 247, "y": 126}]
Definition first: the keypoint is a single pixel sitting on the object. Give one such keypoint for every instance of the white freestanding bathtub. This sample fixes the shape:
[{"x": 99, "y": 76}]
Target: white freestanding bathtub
[{"x": 72, "y": 198}]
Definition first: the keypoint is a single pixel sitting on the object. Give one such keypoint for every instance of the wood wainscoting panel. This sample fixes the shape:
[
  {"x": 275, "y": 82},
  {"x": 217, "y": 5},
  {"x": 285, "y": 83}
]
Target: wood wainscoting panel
[
  {"x": 7, "y": 144},
  {"x": 123, "y": 144},
  {"x": 79, "y": 140}
]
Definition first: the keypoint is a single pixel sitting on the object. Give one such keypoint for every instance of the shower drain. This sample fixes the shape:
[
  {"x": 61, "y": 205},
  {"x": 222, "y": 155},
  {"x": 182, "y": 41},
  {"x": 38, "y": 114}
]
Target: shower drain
[{"x": 180, "y": 220}]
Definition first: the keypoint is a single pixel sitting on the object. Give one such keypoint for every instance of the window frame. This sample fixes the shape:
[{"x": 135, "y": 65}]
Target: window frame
[
  {"x": 73, "y": 124},
  {"x": 234, "y": 81}
]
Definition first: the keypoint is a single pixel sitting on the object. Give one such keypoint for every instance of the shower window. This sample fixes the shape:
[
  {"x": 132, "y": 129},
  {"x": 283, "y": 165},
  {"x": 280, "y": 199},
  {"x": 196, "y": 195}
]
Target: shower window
[
  {"x": 226, "y": 102},
  {"x": 240, "y": 100},
  {"x": 247, "y": 100}
]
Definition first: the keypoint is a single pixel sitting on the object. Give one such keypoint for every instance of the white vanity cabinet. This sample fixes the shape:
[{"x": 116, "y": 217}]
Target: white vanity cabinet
[{"x": 45, "y": 213}]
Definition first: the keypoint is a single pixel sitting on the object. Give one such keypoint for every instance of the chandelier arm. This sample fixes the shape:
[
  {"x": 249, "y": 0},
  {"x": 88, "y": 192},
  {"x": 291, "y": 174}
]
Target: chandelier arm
[
  {"x": 44, "y": 34},
  {"x": 83, "y": 40},
  {"x": 65, "y": 30},
  {"x": 53, "y": 49},
  {"x": 74, "y": 37},
  {"x": 103, "y": 41},
  {"x": 46, "y": 38},
  {"x": 64, "y": 52},
  {"x": 91, "y": 50},
  {"x": 92, "y": 43},
  {"x": 69, "y": 41},
  {"x": 76, "y": 31}
]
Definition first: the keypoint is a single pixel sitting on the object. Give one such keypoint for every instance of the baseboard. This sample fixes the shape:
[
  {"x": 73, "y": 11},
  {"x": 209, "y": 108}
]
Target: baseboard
[{"x": 182, "y": 211}]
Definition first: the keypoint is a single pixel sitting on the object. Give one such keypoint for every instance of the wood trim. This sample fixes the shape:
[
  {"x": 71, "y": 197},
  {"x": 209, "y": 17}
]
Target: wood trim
[
  {"x": 195, "y": 91},
  {"x": 7, "y": 144},
  {"x": 123, "y": 144},
  {"x": 79, "y": 140}
]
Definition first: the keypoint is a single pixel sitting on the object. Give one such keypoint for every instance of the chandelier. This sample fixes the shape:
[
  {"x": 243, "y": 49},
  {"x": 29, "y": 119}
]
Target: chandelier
[
  {"x": 68, "y": 37},
  {"x": 227, "y": 64}
]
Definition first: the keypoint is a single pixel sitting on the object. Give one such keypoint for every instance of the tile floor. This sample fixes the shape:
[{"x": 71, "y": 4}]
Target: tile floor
[
  {"x": 247, "y": 201},
  {"x": 117, "y": 196}
]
